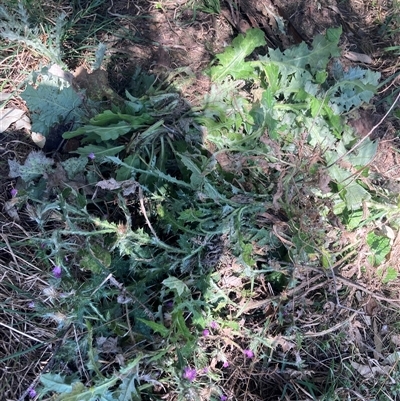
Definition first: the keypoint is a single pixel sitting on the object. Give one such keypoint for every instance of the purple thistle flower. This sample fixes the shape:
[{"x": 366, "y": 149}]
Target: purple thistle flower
[
  {"x": 57, "y": 272},
  {"x": 32, "y": 393},
  {"x": 249, "y": 353},
  {"x": 189, "y": 373},
  {"x": 31, "y": 305},
  {"x": 214, "y": 325},
  {"x": 223, "y": 397},
  {"x": 226, "y": 364},
  {"x": 206, "y": 332},
  {"x": 91, "y": 156},
  {"x": 14, "y": 192}
]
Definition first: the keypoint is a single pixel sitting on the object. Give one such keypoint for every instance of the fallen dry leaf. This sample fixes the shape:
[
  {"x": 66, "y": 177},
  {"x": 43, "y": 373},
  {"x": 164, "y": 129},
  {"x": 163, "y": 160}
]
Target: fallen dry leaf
[
  {"x": 358, "y": 57},
  {"x": 110, "y": 184},
  {"x": 285, "y": 344},
  {"x": 9, "y": 116},
  {"x": 38, "y": 139},
  {"x": 393, "y": 358},
  {"x": 11, "y": 210},
  {"x": 395, "y": 339},
  {"x": 369, "y": 372}
]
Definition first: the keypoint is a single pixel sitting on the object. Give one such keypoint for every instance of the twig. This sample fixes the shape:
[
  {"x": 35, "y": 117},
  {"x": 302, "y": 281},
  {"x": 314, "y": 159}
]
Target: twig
[
  {"x": 80, "y": 354},
  {"x": 369, "y": 292},
  {"x": 5, "y": 239},
  {"x": 324, "y": 332},
  {"x": 337, "y": 277},
  {"x": 142, "y": 208},
  {"x": 337, "y": 295},
  {"x": 22, "y": 333},
  {"x": 124, "y": 291},
  {"x": 128, "y": 322},
  {"x": 102, "y": 283}
]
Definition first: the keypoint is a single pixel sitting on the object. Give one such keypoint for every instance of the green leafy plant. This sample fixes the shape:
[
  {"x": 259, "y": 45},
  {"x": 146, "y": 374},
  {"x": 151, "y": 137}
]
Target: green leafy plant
[
  {"x": 35, "y": 166},
  {"x": 16, "y": 27},
  {"x": 297, "y": 99},
  {"x": 133, "y": 229},
  {"x": 380, "y": 246},
  {"x": 51, "y": 100}
]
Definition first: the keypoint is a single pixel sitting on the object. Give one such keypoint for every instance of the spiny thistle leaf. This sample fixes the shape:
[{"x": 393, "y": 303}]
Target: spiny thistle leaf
[
  {"x": 56, "y": 383},
  {"x": 15, "y": 26},
  {"x": 128, "y": 391},
  {"x": 231, "y": 62},
  {"x": 36, "y": 164},
  {"x": 177, "y": 285},
  {"x": 294, "y": 68},
  {"x": 51, "y": 101},
  {"x": 156, "y": 327},
  {"x": 354, "y": 87},
  {"x": 102, "y": 134}
]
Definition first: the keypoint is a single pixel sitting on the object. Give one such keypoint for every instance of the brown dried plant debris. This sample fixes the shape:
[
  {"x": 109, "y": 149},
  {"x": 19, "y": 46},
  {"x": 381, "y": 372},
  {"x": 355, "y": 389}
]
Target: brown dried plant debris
[
  {"x": 14, "y": 68},
  {"x": 13, "y": 145},
  {"x": 26, "y": 338}
]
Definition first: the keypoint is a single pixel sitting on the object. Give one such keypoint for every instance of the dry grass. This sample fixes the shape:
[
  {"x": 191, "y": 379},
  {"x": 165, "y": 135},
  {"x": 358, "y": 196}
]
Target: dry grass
[{"x": 27, "y": 339}]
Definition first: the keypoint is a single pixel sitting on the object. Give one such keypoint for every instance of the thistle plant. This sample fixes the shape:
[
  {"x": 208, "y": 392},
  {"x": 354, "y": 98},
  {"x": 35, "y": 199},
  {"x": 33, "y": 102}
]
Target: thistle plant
[
  {"x": 16, "y": 27},
  {"x": 157, "y": 251}
]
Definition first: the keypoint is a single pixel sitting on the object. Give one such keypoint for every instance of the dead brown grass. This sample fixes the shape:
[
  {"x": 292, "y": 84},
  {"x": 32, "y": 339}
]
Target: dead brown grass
[{"x": 27, "y": 339}]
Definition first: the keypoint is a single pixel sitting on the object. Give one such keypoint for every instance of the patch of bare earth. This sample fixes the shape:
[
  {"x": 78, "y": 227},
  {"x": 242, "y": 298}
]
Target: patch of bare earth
[{"x": 165, "y": 39}]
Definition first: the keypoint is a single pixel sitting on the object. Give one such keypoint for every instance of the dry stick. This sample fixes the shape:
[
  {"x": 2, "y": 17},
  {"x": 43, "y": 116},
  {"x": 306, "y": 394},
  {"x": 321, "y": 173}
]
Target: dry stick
[
  {"x": 345, "y": 281},
  {"x": 360, "y": 397},
  {"x": 102, "y": 283},
  {"x": 128, "y": 322},
  {"x": 289, "y": 294},
  {"x": 124, "y": 291},
  {"x": 80, "y": 354},
  {"x": 366, "y": 136},
  {"x": 143, "y": 209},
  {"x": 299, "y": 387},
  {"x": 369, "y": 292},
  {"x": 22, "y": 333},
  {"x": 337, "y": 295},
  {"x": 324, "y": 332}
]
